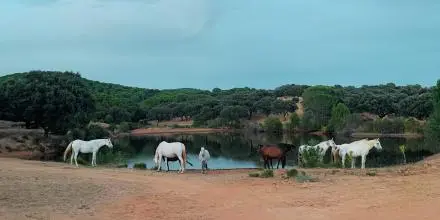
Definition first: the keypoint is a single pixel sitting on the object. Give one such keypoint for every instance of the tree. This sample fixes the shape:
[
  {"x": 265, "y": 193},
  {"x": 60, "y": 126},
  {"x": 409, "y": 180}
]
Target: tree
[
  {"x": 432, "y": 132},
  {"x": 283, "y": 107},
  {"x": 340, "y": 112},
  {"x": 318, "y": 103},
  {"x": 294, "y": 121},
  {"x": 54, "y": 101},
  {"x": 273, "y": 125},
  {"x": 264, "y": 105},
  {"x": 233, "y": 114}
]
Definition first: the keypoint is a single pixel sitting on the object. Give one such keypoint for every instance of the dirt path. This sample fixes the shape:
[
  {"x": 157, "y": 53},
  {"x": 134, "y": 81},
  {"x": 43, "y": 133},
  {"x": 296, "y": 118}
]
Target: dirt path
[{"x": 37, "y": 190}]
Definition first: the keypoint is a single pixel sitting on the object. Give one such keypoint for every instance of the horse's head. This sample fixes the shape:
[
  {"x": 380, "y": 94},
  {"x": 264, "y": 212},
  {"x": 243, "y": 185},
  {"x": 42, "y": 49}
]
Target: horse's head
[
  {"x": 331, "y": 143},
  {"x": 377, "y": 144},
  {"x": 202, "y": 149},
  {"x": 108, "y": 142}
]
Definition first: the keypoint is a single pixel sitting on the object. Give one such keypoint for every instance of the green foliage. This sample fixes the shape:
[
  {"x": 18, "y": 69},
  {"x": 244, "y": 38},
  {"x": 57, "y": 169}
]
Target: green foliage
[
  {"x": 386, "y": 126},
  {"x": 371, "y": 173},
  {"x": 141, "y": 166},
  {"x": 310, "y": 158},
  {"x": 294, "y": 122},
  {"x": 340, "y": 112},
  {"x": 273, "y": 125},
  {"x": 303, "y": 177},
  {"x": 318, "y": 103},
  {"x": 432, "y": 131},
  {"x": 54, "y": 101},
  {"x": 282, "y": 107},
  {"x": 266, "y": 174},
  {"x": 402, "y": 149},
  {"x": 254, "y": 174},
  {"x": 292, "y": 173}
]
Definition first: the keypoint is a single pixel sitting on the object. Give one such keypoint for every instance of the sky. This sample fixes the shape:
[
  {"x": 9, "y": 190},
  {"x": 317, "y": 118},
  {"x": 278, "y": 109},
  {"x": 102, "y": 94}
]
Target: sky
[{"x": 225, "y": 43}]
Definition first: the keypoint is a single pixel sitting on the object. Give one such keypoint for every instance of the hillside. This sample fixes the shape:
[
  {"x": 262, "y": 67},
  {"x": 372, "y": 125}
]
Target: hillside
[{"x": 117, "y": 103}]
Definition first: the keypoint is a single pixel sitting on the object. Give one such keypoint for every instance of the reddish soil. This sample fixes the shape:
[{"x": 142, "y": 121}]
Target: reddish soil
[{"x": 38, "y": 190}]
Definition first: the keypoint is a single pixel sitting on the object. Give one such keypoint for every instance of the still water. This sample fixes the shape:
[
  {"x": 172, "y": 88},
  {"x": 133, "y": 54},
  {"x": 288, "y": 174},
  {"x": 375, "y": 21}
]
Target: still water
[{"x": 232, "y": 151}]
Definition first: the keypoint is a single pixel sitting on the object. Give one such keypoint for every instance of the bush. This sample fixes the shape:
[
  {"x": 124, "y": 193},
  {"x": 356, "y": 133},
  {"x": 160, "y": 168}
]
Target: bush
[
  {"x": 273, "y": 125},
  {"x": 262, "y": 174},
  {"x": 371, "y": 173},
  {"x": 124, "y": 127},
  {"x": 254, "y": 174},
  {"x": 310, "y": 158},
  {"x": 141, "y": 166},
  {"x": 292, "y": 173},
  {"x": 266, "y": 174},
  {"x": 303, "y": 177},
  {"x": 294, "y": 122}
]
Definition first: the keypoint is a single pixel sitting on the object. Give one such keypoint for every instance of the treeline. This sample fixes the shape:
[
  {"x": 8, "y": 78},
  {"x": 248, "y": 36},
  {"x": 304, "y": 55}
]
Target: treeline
[{"x": 57, "y": 101}]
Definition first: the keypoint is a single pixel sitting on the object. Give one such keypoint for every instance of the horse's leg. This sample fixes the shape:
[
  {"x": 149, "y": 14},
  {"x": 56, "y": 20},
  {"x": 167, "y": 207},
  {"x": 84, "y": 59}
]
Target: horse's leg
[
  {"x": 271, "y": 164},
  {"x": 278, "y": 164},
  {"x": 71, "y": 157},
  {"x": 160, "y": 162},
  {"x": 343, "y": 161},
  {"x": 353, "y": 161},
  {"x": 94, "y": 159},
  {"x": 76, "y": 158},
  {"x": 364, "y": 157},
  {"x": 181, "y": 164},
  {"x": 166, "y": 161}
]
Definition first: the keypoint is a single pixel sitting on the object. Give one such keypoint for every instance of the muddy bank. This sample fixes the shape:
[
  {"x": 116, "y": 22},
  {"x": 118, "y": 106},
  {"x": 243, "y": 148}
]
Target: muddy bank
[{"x": 30, "y": 144}]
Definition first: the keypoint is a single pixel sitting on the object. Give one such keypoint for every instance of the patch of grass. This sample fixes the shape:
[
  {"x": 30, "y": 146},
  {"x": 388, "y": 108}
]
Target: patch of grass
[
  {"x": 266, "y": 174},
  {"x": 254, "y": 174},
  {"x": 303, "y": 177},
  {"x": 122, "y": 166},
  {"x": 292, "y": 173},
  {"x": 371, "y": 173},
  {"x": 262, "y": 174},
  {"x": 141, "y": 166}
]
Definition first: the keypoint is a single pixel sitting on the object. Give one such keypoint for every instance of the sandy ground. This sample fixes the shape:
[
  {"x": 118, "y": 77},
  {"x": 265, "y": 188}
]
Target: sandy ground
[{"x": 39, "y": 190}]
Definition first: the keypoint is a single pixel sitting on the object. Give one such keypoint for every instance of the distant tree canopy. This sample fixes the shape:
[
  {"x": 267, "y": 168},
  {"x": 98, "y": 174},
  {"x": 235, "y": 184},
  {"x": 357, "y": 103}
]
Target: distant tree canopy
[
  {"x": 52, "y": 100},
  {"x": 36, "y": 96}
]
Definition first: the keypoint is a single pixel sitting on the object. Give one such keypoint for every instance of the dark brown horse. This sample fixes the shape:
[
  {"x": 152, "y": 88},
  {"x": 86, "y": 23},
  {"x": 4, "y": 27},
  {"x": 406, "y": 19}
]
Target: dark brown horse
[
  {"x": 172, "y": 159},
  {"x": 270, "y": 152}
]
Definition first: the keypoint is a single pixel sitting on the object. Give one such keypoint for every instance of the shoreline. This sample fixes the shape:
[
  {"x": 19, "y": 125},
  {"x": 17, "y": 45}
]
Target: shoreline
[
  {"x": 380, "y": 135},
  {"x": 168, "y": 131}
]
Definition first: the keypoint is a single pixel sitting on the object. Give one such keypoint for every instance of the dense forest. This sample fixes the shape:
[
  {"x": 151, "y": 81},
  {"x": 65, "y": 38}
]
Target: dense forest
[{"x": 59, "y": 101}]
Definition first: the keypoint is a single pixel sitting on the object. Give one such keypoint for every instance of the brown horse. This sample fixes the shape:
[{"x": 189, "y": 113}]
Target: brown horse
[{"x": 269, "y": 152}]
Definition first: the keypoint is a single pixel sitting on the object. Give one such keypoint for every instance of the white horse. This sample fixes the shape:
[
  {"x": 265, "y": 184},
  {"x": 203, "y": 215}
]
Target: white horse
[
  {"x": 203, "y": 158},
  {"x": 167, "y": 150},
  {"x": 356, "y": 149},
  {"x": 335, "y": 150},
  {"x": 323, "y": 147},
  {"x": 80, "y": 146}
]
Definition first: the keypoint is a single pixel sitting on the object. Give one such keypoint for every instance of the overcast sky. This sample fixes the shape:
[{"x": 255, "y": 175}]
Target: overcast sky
[{"x": 225, "y": 43}]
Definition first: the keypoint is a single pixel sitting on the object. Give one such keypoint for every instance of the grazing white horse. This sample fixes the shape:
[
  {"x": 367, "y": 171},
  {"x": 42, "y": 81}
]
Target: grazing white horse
[
  {"x": 80, "y": 146},
  {"x": 359, "y": 148},
  {"x": 204, "y": 157},
  {"x": 167, "y": 150},
  {"x": 323, "y": 147}
]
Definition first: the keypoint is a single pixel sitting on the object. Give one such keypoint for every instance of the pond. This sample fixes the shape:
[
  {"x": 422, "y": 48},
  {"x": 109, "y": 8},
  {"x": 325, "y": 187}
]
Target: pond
[{"x": 234, "y": 150}]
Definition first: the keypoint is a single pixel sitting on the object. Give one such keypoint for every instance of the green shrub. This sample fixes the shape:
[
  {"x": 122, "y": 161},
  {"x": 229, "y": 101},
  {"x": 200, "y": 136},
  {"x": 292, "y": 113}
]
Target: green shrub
[
  {"x": 141, "y": 166},
  {"x": 371, "y": 173},
  {"x": 294, "y": 122},
  {"x": 303, "y": 177},
  {"x": 254, "y": 174},
  {"x": 124, "y": 127},
  {"x": 310, "y": 158},
  {"x": 292, "y": 173},
  {"x": 266, "y": 174},
  {"x": 273, "y": 125},
  {"x": 122, "y": 165}
]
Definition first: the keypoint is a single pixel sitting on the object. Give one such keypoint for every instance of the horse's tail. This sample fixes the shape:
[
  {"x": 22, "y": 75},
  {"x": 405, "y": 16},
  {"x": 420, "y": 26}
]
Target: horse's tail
[
  {"x": 189, "y": 163},
  {"x": 69, "y": 148},
  {"x": 184, "y": 156}
]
